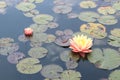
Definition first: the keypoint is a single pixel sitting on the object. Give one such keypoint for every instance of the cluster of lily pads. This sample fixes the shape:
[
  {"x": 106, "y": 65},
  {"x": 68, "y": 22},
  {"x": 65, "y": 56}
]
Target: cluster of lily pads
[
  {"x": 3, "y": 6},
  {"x": 107, "y": 58}
]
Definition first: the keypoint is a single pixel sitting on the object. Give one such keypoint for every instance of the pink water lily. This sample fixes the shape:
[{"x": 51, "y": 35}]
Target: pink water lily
[
  {"x": 28, "y": 31},
  {"x": 81, "y": 44}
]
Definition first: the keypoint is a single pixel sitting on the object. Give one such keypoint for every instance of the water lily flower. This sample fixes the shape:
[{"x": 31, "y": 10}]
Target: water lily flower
[
  {"x": 28, "y": 31},
  {"x": 81, "y": 44}
]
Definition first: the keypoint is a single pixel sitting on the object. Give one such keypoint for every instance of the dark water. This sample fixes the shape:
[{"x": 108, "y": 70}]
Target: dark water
[{"x": 12, "y": 25}]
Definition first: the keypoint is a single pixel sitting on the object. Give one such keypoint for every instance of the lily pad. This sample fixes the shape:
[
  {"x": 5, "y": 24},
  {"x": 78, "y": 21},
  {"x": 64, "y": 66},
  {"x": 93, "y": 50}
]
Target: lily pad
[
  {"x": 64, "y": 9},
  {"x": 31, "y": 13},
  {"x": 50, "y": 38},
  {"x": 106, "y": 10},
  {"x": 107, "y": 20},
  {"x": 36, "y": 44},
  {"x": 25, "y": 6},
  {"x": 114, "y": 41},
  {"x": 63, "y": 40},
  {"x": 23, "y": 38},
  {"x": 38, "y": 28},
  {"x": 29, "y": 66},
  {"x": 15, "y": 57},
  {"x": 39, "y": 37},
  {"x": 3, "y": 4},
  {"x": 39, "y": 1},
  {"x": 52, "y": 71},
  {"x": 106, "y": 59},
  {"x": 52, "y": 25},
  {"x": 37, "y": 52},
  {"x": 88, "y": 16},
  {"x": 43, "y": 19},
  {"x": 115, "y": 32},
  {"x": 114, "y": 75},
  {"x": 70, "y": 75},
  {"x": 7, "y": 46},
  {"x": 88, "y": 4},
  {"x": 116, "y": 5},
  {"x": 72, "y": 15},
  {"x": 69, "y": 56},
  {"x": 96, "y": 30},
  {"x": 71, "y": 64}
]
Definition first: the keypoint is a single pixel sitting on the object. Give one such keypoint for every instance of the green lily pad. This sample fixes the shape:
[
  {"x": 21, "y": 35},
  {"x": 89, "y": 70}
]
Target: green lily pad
[
  {"x": 114, "y": 41},
  {"x": 3, "y": 4},
  {"x": 31, "y": 13},
  {"x": 107, "y": 20},
  {"x": 39, "y": 37},
  {"x": 37, "y": 52},
  {"x": 106, "y": 59},
  {"x": 38, "y": 28},
  {"x": 96, "y": 30},
  {"x": 116, "y": 6},
  {"x": 115, "y": 32},
  {"x": 52, "y": 71},
  {"x": 68, "y": 56},
  {"x": 70, "y": 75},
  {"x": 29, "y": 66},
  {"x": 64, "y": 9},
  {"x": 50, "y": 38},
  {"x": 115, "y": 75},
  {"x": 88, "y": 4},
  {"x": 39, "y": 1},
  {"x": 88, "y": 16},
  {"x": 42, "y": 19},
  {"x": 106, "y": 10},
  {"x": 8, "y": 46},
  {"x": 25, "y": 6}
]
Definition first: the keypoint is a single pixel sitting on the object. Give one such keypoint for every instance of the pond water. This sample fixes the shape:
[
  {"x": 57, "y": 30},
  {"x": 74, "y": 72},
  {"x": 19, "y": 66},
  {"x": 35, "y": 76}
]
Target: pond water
[{"x": 41, "y": 57}]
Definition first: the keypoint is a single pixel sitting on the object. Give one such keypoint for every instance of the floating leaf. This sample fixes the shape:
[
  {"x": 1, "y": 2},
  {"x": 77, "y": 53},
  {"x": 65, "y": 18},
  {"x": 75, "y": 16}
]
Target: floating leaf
[
  {"x": 88, "y": 16},
  {"x": 25, "y": 6},
  {"x": 68, "y": 32},
  {"x": 72, "y": 15},
  {"x": 15, "y": 57},
  {"x": 3, "y": 4},
  {"x": 50, "y": 38},
  {"x": 52, "y": 25},
  {"x": 88, "y": 4},
  {"x": 22, "y": 38},
  {"x": 51, "y": 71},
  {"x": 71, "y": 64},
  {"x": 29, "y": 66},
  {"x": 38, "y": 28},
  {"x": 31, "y": 13},
  {"x": 59, "y": 33},
  {"x": 107, "y": 20},
  {"x": 114, "y": 41},
  {"x": 37, "y": 52},
  {"x": 68, "y": 56},
  {"x": 106, "y": 10},
  {"x": 35, "y": 44},
  {"x": 39, "y": 1},
  {"x": 7, "y": 46},
  {"x": 106, "y": 59},
  {"x": 64, "y": 9},
  {"x": 39, "y": 37},
  {"x": 115, "y": 75},
  {"x": 96, "y": 30},
  {"x": 116, "y": 5},
  {"x": 63, "y": 40},
  {"x": 70, "y": 75},
  {"x": 115, "y": 32},
  {"x": 42, "y": 19}
]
